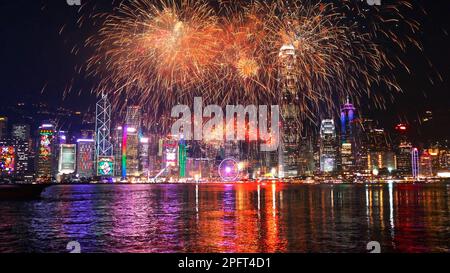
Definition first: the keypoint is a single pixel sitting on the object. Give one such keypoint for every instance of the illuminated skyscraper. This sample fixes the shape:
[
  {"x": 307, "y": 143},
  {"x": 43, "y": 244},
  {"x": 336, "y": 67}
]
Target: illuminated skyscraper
[
  {"x": 85, "y": 158},
  {"x": 130, "y": 142},
  {"x": 182, "y": 156},
  {"x": 170, "y": 155},
  {"x": 347, "y": 163},
  {"x": 415, "y": 163},
  {"x": 118, "y": 153},
  {"x": 426, "y": 164},
  {"x": 45, "y": 152},
  {"x": 348, "y": 112},
  {"x": 144, "y": 156},
  {"x": 103, "y": 127},
  {"x": 67, "y": 159},
  {"x": 348, "y": 141},
  {"x": 404, "y": 165},
  {"x": 22, "y": 148},
  {"x": 104, "y": 148},
  {"x": 20, "y": 139},
  {"x": 328, "y": 146},
  {"x": 403, "y": 151},
  {"x": 375, "y": 152},
  {"x": 290, "y": 112},
  {"x": 21, "y": 132}
]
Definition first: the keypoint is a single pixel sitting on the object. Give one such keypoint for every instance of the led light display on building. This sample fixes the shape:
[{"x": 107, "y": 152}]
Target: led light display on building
[
  {"x": 45, "y": 150},
  {"x": 85, "y": 157},
  {"x": 170, "y": 153},
  {"x": 105, "y": 166},
  {"x": 7, "y": 160},
  {"x": 182, "y": 155}
]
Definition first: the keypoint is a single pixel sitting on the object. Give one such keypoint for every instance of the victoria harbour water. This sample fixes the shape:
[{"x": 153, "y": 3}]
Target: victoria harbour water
[{"x": 266, "y": 217}]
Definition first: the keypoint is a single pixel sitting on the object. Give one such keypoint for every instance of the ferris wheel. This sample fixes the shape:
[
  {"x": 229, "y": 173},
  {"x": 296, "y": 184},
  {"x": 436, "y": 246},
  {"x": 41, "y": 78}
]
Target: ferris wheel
[{"x": 229, "y": 170}]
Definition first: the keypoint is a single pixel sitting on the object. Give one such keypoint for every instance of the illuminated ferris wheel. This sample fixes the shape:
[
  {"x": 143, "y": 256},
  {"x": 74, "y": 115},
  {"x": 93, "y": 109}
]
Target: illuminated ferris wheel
[{"x": 229, "y": 170}]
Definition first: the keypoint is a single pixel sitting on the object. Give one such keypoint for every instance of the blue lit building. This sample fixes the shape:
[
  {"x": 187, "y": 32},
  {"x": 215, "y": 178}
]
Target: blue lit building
[{"x": 348, "y": 141}]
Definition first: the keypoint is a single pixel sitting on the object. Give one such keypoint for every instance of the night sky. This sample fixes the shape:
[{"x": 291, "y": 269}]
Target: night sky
[{"x": 36, "y": 63}]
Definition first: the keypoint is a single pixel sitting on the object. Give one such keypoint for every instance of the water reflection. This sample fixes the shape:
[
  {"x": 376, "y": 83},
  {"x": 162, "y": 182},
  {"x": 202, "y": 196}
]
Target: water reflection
[{"x": 270, "y": 217}]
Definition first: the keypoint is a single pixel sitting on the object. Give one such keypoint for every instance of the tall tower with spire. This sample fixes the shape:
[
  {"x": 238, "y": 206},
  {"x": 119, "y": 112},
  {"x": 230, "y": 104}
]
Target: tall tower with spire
[
  {"x": 289, "y": 148},
  {"x": 103, "y": 145},
  {"x": 348, "y": 140}
]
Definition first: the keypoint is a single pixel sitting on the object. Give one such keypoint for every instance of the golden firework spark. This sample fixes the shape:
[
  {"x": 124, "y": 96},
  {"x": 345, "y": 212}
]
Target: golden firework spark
[{"x": 247, "y": 68}]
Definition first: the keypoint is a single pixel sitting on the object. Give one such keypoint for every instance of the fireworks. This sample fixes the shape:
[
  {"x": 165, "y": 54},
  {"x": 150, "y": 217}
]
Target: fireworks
[{"x": 162, "y": 53}]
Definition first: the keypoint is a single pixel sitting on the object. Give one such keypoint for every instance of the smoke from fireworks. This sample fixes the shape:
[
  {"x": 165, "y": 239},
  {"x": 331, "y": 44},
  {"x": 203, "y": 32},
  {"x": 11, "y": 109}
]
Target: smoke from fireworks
[{"x": 161, "y": 53}]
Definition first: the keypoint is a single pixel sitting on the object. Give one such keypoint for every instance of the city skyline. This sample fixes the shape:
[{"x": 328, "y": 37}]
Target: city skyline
[
  {"x": 124, "y": 147},
  {"x": 224, "y": 126}
]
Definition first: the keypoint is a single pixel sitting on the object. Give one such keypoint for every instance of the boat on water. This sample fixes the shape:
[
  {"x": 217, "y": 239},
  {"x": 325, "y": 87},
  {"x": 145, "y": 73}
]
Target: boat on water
[{"x": 21, "y": 191}]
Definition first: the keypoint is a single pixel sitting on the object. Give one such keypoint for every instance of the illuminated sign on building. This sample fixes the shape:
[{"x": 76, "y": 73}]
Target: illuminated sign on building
[
  {"x": 44, "y": 163},
  {"x": 105, "y": 166},
  {"x": 170, "y": 153},
  {"x": 7, "y": 160},
  {"x": 45, "y": 149},
  {"x": 85, "y": 158}
]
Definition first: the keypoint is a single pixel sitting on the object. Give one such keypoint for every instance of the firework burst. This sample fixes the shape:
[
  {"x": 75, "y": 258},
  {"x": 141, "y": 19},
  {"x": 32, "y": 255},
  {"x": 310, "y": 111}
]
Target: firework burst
[{"x": 161, "y": 53}]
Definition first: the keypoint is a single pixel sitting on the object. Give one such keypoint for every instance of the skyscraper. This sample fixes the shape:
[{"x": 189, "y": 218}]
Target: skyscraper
[
  {"x": 85, "y": 158},
  {"x": 415, "y": 163},
  {"x": 130, "y": 141},
  {"x": 403, "y": 151},
  {"x": 348, "y": 112},
  {"x": 328, "y": 146},
  {"x": 22, "y": 148},
  {"x": 21, "y": 132},
  {"x": 426, "y": 164},
  {"x": 290, "y": 113},
  {"x": 375, "y": 151},
  {"x": 144, "y": 148},
  {"x": 45, "y": 152},
  {"x": 404, "y": 162},
  {"x": 118, "y": 153},
  {"x": 182, "y": 156},
  {"x": 67, "y": 159},
  {"x": 104, "y": 148},
  {"x": 306, "y": 156},
  {"x": 348, "y": 141}
]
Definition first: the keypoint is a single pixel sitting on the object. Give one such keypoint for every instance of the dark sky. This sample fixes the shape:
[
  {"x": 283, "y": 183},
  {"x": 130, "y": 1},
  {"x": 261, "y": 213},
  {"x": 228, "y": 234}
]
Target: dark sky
[{"x": 34, "y": 57}]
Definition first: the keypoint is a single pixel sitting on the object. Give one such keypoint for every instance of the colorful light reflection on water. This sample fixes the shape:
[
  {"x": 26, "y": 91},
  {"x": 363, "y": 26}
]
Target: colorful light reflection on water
[{"x": 270, "y": 217}]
